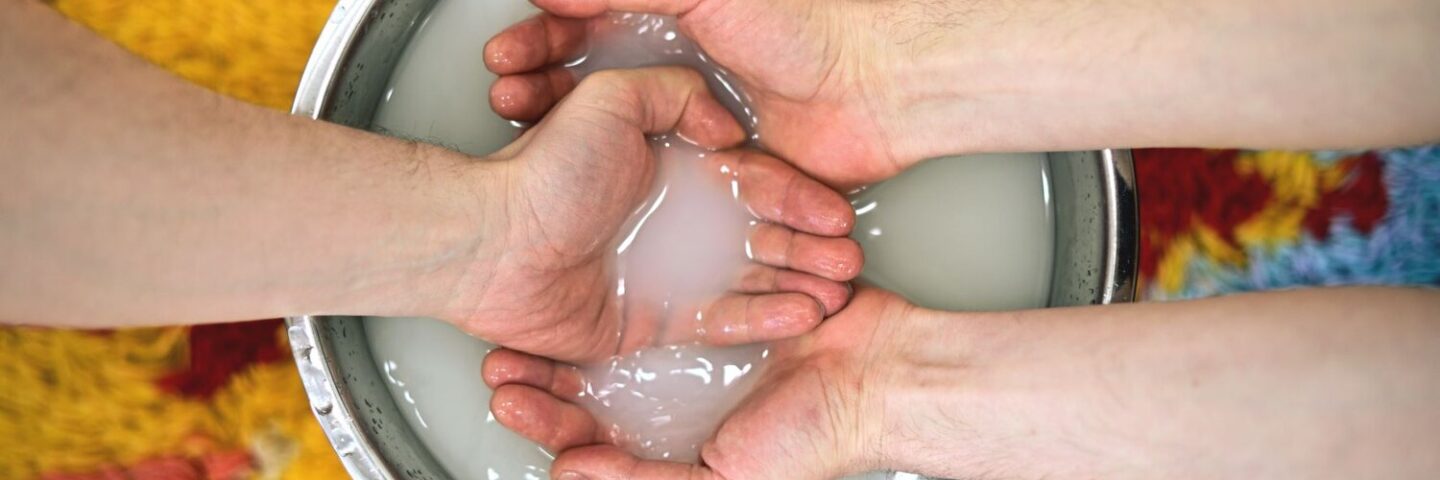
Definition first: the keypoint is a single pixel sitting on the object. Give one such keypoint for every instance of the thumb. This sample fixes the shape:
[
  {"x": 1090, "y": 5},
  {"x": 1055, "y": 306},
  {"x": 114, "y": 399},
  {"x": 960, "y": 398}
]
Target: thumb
[{"x": 654, "y": 100}]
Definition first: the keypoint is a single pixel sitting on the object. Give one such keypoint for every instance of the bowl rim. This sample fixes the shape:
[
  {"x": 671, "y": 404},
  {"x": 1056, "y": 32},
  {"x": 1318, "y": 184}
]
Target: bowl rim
[{"x": 333, "y": 405}]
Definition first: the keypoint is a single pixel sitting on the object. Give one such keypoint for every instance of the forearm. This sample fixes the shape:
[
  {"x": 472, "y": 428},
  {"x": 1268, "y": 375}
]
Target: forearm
[
  {"x": 1325, "y": 383},
  {"x": 1055, "y": 75},
  {"x": 133, "y": 197}
]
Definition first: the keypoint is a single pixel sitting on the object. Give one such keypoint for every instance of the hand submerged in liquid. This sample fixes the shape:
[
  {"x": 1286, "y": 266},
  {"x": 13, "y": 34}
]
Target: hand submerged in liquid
[
  {"x": 823, "y": 102},
  {"x": 803, "y": 419},
  {"x": 579, "y": 174}
]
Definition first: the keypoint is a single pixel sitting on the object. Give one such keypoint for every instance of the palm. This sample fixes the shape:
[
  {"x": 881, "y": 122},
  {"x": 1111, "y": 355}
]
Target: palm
[
  {"x": 574, "y": 179},
  {"x": 555, "y": 273},
  {"x": 807, "y": 401},
  {"x": 809, "y": 76},
  {"x": 806, "y": 81}
]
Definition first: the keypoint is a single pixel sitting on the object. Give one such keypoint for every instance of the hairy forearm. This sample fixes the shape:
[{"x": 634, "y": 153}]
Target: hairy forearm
[
  {"x": 133, "y": 197},
  {"x": 1324, "y": 383},
  {"x": 1004, "y": 75}
]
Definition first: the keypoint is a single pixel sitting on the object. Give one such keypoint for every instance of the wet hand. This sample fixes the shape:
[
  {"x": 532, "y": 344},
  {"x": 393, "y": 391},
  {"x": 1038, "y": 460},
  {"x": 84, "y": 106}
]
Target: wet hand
[
  {"x": 805, "y": 418},
  {"x": 812, "y": 70},
  {"x": 547, "y": 286}
]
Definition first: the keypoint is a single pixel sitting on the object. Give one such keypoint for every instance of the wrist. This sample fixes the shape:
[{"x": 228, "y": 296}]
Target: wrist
[
  {"x": 425, "y": 216},
  {"x": 468, "y": 241},
  {"x": 1009, "y": 76},
  {"x": 927, "y": 394},
  {"x": 978, "y": 393}
]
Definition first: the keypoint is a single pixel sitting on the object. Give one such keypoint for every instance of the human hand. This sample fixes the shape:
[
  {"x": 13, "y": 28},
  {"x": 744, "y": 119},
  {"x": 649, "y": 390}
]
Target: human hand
[
  {"x": 816, "y": 73},
  {"x": 853, "y": 91},
  {"x": 805, "y": 418},
  {"x": 547, "y": 286}
]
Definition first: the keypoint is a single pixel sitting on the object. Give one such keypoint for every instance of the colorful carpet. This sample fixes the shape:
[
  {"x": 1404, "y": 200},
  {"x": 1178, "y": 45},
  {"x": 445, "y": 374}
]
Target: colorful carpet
[
  {"x": 1216, "y": 222},
  {"x": 224, "y": 402}
]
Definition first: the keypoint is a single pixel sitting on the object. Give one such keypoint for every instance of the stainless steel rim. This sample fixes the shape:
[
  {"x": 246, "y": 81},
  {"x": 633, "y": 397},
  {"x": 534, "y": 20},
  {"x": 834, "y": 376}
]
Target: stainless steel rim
[
  {"x": 1121, "y": 218},
  {"x": 329, "y": 400},
  {"x": 332, "y": 403},
  {"x": 345, "y": 24}
]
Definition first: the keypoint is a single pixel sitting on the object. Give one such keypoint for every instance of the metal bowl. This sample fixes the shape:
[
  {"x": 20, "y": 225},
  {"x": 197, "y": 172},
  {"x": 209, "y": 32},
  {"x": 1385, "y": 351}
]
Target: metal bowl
[{"x": 1095, "y": 245}]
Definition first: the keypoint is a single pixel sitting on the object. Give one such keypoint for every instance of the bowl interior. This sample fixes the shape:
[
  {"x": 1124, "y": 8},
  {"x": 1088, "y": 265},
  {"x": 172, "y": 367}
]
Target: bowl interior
[{"x": 1094, "y": 258}]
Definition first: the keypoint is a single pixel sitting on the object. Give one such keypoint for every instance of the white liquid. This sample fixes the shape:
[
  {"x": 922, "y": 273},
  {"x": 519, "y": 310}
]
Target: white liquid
[
  {"x": 440, "y": 89},
  {"x": 961, "y": 233},
  {"x": 632, "y": 40},
  {"x": 684, "y": 246},
  {"x": 663, "y": 403},
  {"x": 439, "y": 93},
  {"x": 433, "y": 373}
]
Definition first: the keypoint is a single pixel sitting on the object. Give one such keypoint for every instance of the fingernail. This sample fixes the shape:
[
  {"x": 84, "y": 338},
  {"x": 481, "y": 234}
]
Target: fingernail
[{"x": 572, "y": 476}]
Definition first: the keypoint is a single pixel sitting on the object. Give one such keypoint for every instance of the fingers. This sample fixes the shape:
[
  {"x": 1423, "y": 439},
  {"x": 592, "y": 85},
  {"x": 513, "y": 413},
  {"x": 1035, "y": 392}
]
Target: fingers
[
  {"x": 759, "y": 279},
  {"x": 765, "y": 303},
  {"x": 528, "y": 399},
  {"x": 526, "y": 97},
  {"x": 657, "y": 100},
  {"x": 608, "y": 462},
  {"x": 834, "y": 258},
  {"x": 542, "y": 418},
  {"x": 776, "y": 192},
  {"x": 737, "y": 319},
  {"x": 536, "y": 42},
  {"x": 505, "y": 366},
  {"x": 590, "y": 8}
]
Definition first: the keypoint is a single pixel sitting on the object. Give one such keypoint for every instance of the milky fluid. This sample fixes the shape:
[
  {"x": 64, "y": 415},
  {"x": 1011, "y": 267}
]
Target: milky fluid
[
  {"x": 683, "y": 246},
  {"x": 439, "y": 91},
  {"x": 961, "y": 233},
  {"x": 664, "y": 402},
  {"x": 439, "y": 94},
  {"x": 432, "y": 371},
  {"x": 631, "y": 40}
]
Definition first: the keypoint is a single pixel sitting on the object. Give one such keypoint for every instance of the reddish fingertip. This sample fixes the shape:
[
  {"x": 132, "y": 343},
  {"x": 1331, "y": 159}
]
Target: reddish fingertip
[
  {"x": 495, "y": 58},
  {"x": 834, "y": 298},
  {"x": 788, "y": 316},
  {"x": 831, "y": 215},
  {"x": 846, "y": 262},
  {"x": 516, "y": 49},
  {"x": 832, "y": 295},
  {"x": 498, "y": 368},
  {"x": 713, "y": 129},
  {"x": 505, "y": 407},
  {"x": 494, "y": 375},
  {"x": 504, "y": 96}
]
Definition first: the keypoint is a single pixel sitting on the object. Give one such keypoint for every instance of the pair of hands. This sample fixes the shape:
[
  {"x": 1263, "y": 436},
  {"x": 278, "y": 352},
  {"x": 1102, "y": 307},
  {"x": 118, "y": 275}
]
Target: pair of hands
[
  {"x": 547, "y": 291},
  {"x": 576, "y": 175}
]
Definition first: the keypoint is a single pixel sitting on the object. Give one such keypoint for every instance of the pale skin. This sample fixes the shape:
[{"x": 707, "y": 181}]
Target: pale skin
[
  {"x": 134, "y": 198},
  {"x": 854, "y": 91},
  {"x": 1332, "y": 383}
]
